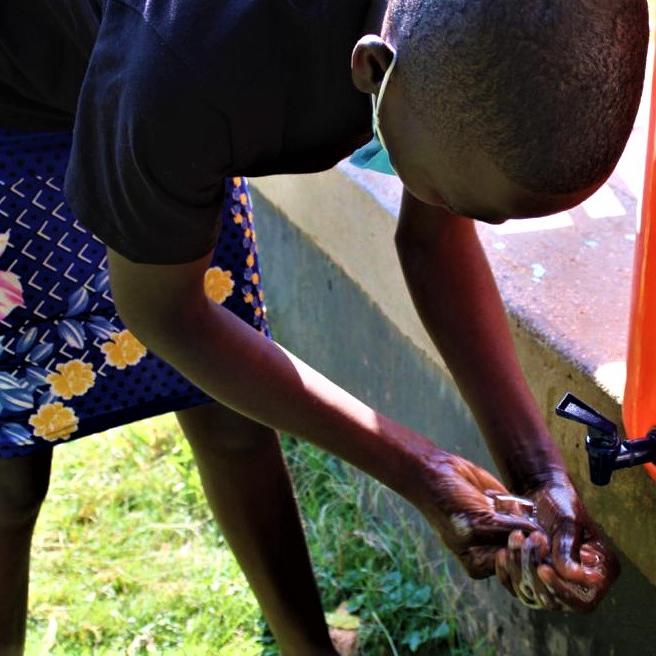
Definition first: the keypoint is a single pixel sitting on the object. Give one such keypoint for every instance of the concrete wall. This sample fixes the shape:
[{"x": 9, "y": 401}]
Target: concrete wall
[{"x": 327, "y": 254}]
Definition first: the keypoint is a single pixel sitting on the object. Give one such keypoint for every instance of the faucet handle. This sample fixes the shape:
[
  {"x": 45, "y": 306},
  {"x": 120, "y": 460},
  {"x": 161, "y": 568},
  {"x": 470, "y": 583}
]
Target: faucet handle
[
  {"x": 572, "y": 408},
  {"x": 602, "y": 443},
  {"x": 606, "y": 451}
]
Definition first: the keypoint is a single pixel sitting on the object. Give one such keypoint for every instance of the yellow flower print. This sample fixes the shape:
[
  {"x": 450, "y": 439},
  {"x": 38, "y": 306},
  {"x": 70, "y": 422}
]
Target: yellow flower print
[
  {"x": 75, "y": 378},
  {"x": 238, "y": 218},
  {"x": 254, "y": 237},
  {"x": 255, "y": 278},
  {"x": 248, "y": 298},
  {"x": 247, "y": 232},
  {"x": 243, "y": 199},
  {"x": 218, "y": 284},
  {"x": 236, "y": 181},
  {"x": 257, "y": 311},
  {"x": 250, "y": 216},
  {"x": 250, "y": 260},
  {"x": 54, "y": 421},
  {"x": 260, "y": 294},
  {"x": 124, "y": 349}
]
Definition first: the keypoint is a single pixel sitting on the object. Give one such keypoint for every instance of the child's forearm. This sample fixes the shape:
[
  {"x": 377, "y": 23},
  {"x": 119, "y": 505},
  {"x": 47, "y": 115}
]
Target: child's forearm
[
  {"x": 166, "y": 308},
  {"x": 458, "y": 301},
  {"x": 236, "y": 365}
]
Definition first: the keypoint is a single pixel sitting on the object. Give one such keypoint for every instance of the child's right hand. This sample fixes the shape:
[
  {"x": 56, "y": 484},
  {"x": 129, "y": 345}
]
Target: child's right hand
[
  {"x": 525, "y": 569},
  {"x": 567, "y": 565}
]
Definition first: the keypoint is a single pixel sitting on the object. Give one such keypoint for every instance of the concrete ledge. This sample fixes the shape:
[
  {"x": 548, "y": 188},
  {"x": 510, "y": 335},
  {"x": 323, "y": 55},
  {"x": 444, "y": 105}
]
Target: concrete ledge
[
  {"x": 567, "y": 297},
  {"x": 351, "y": 216}
]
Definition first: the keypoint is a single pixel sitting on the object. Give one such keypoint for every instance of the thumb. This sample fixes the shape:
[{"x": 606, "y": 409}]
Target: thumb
[
  {"x": 494, "y": 528},
  {"x": 480, "y": 562},
  {"x": 565, "y": 552}
]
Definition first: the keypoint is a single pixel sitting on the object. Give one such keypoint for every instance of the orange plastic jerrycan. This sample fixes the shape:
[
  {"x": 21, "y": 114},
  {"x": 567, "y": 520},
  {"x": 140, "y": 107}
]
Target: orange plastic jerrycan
[{"x": 639, "y": 408}]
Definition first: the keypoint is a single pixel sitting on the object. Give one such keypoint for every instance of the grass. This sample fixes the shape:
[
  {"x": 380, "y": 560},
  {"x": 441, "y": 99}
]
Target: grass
[
  {"x": 127, "y": 559},
  {"x": 375, "y": 562}
]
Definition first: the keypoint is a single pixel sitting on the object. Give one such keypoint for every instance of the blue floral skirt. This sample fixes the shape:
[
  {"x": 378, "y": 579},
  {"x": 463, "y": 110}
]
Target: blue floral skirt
[{"x": 68, "y": 366}]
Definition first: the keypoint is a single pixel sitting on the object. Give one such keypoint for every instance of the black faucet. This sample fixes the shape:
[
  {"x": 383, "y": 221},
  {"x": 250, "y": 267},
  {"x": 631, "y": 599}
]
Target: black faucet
[{"x": 606, "y": 451}]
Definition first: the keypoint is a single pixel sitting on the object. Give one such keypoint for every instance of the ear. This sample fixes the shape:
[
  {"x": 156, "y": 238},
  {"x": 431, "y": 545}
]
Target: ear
[{"x": 370, "y": 59}]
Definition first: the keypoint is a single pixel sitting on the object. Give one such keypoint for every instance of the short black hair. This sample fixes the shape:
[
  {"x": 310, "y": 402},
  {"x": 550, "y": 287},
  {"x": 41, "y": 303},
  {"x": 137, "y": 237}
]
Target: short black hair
[{"x": 548, "y": 88}]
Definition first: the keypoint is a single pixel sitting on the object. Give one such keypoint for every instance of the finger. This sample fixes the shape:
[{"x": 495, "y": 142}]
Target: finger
[
  {"x": 518, "y": 564},
  {"x": 590, "y": 557},
  {"x": 534, "y": 551},
  {"x": 598, "y": 564},
  {"x": 573, "y": 596},
  {"x": 501, "y": 570},
  {"x": 565, "y": 552},
  {"x": 514, "y": 560},
  {"x": 494, "y": 528},
  {"x": 597, "y": 555},
  {"x": 524, "y": 591},
  {"x": 479, "y": 561}
]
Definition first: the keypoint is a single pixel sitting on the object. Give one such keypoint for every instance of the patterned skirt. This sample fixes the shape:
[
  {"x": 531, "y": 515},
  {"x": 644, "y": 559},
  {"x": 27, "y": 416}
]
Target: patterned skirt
[{"x": 68, "y": 366}]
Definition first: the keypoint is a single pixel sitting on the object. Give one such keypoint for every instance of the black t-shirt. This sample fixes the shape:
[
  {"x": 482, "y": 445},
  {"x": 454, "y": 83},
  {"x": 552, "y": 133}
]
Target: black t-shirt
[{"x": 166, "y": 98}]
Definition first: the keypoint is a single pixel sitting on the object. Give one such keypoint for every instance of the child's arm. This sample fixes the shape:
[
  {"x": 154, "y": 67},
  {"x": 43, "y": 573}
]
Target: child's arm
[
  {"x": 166, "y": 308},
  {"x": 456, "y": 296},
  {"x": 458, "y": 301}
]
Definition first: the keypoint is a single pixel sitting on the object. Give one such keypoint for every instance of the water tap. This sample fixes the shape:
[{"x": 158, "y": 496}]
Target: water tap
[{"x": 606, "y": 451}]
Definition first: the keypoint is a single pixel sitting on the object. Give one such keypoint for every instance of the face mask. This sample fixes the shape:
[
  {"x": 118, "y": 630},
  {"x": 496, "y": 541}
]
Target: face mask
[{"x": 374, "y": 155}]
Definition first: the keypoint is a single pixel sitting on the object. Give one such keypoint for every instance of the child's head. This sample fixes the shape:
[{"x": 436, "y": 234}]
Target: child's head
[{"x": 503, "y": 108}]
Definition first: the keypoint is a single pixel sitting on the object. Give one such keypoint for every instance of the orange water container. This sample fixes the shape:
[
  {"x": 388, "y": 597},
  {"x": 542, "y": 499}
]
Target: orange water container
[{"x": 639, "y": 409}]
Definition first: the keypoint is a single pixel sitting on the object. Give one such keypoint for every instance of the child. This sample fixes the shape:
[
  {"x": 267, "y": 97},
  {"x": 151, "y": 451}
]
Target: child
[{"x": 488, "y": 110}]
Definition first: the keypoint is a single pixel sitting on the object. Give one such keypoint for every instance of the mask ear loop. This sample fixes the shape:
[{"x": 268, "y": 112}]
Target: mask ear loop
[{"x": 376, "y": 101}]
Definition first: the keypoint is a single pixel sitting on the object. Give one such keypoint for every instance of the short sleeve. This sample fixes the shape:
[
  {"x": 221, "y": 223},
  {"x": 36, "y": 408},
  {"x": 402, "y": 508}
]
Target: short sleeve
[{"x": 149, "y": 155}]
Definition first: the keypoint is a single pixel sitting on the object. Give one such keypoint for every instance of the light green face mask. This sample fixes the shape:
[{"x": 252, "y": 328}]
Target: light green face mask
[{"x": 374, "y": 155}]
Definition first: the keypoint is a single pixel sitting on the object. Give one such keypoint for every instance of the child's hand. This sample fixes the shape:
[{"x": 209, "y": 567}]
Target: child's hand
[
  {"x": 461, "y": 508},
  {"x": 524, "y": 569},
  {"x": 567, "y": 566}
]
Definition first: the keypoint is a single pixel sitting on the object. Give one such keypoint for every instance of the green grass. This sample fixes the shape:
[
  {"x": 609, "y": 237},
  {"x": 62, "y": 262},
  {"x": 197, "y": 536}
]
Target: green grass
[
  {"x": 127, "y": 559},
  {"x": 376, "y": 564}
]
